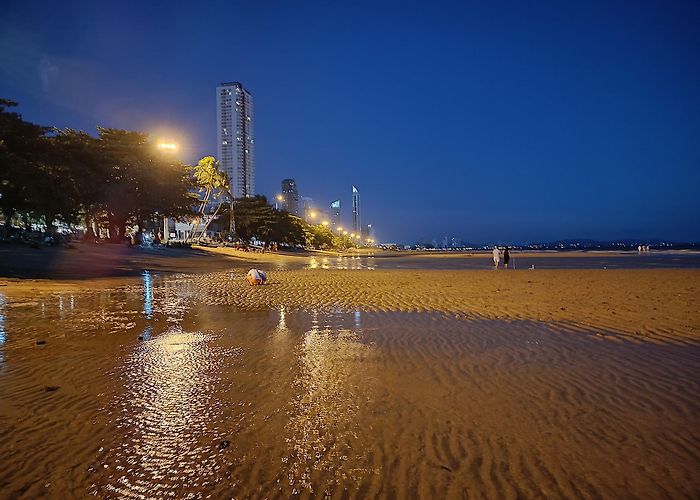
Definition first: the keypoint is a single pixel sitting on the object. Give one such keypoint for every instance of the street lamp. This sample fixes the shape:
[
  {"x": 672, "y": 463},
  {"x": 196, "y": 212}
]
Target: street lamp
[
  {"x": 279, "y": 199},
  {"x": 325, "y": 223},
  {"x": 167, "y": 146}
]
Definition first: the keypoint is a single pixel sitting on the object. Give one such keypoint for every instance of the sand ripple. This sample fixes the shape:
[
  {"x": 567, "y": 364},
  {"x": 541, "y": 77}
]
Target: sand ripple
[
  {"x": 659, "y": 306},
  {"x": 192, "y": 385}
]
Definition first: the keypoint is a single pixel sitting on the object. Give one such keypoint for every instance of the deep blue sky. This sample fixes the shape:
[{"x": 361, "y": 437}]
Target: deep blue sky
[{"x": 488, "y": 121}]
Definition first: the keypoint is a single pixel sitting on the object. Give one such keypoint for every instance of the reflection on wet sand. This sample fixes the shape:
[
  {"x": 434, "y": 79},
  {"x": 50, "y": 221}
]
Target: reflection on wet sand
[
  {"x": 168, "y": 419},
  {"x": 214, "y": 401},
  {"x": 341, "y": 262},
  {"x": 3, "y": 335},
  {"x": 329, "y": 390}
]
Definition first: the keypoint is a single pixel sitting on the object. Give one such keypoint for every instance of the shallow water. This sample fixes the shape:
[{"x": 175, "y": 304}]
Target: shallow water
[
  {"x": 144, "y": 391},
  {"x": 553, "y": 260}
]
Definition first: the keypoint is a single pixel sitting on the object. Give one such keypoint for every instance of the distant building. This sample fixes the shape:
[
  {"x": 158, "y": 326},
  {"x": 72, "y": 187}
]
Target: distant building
[
  {"x": 356, "y": 221},
  {"x": 335, "y": 213},
  {"x": 235, "y": 145},
  {"x": 290, "y": 196},
  {"x": 307, "y": 207},
  {"x": 366, "y": 232}
]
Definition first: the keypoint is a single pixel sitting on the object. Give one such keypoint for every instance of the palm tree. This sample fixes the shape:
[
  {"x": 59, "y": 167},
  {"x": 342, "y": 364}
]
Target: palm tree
[
  {"x": 223, "y": 188},
  {"x": 211, "y": 181}
]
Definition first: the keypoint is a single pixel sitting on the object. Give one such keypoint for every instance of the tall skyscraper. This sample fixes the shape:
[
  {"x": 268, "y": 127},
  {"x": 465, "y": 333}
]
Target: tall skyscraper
[
  {"x": 236, "y": 148},
  {"x": 290, "y": 196},
  {"x": 356, "y": 223},
  {"x": 335, "y": 213}
]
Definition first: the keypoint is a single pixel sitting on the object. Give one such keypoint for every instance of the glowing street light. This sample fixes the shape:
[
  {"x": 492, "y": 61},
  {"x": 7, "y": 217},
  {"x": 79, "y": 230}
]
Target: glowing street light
[
  {"x": 340, "y": 229},
  {"x": 345, "y": 233},
  {"x": 312, "y": 215},
  {"x": 167, "y": 146}
]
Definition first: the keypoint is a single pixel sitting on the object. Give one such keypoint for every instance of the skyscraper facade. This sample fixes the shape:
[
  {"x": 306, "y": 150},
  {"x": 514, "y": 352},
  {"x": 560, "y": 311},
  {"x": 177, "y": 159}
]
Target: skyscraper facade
[
  {"x": 335, "y": 213},
  {"x": 307, "y": 208},
  {"x": 356, "y": 222},
  {"x": 290, "y": 196},
  {"x": 236, "y": 147}
]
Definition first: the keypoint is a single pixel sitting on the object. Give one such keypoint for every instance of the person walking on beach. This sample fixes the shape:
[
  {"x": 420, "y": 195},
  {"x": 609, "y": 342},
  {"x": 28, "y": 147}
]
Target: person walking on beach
[
  {"x": 496, "y": 257},
  {"x": 506, "y": 257}
]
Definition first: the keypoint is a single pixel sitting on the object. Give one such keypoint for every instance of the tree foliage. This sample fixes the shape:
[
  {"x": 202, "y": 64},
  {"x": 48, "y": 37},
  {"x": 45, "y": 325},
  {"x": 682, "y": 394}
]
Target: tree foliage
[
  {"x": 22, "y": 148},
  {"x": 257, "y": 219},
  {"x": 118, "y": 176}
]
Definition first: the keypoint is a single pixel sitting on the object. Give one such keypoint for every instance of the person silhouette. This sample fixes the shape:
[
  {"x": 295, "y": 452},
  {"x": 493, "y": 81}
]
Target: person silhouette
[
  {"x": 496, "y": 257},
  {"x": 506, "y": 257}
]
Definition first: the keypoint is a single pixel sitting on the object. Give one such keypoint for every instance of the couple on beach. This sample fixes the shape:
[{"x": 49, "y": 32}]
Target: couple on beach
[{"x": 497, "y": 257}]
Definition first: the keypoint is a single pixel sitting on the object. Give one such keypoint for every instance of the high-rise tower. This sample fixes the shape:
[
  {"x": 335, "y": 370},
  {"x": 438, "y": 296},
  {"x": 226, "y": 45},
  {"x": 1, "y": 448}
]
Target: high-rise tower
[
  {"x": 335, "y": 213},
  {"x": 290, "y": 196},
  {"x": 236, "y": 148},
  {"x": 356, "y": 223}
]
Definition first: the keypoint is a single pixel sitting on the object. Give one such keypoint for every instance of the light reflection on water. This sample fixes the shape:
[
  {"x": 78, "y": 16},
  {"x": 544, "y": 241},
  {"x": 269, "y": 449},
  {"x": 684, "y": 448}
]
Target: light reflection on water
[
  {"x": 545, "y": 260},
  {"x": 3, "y": 301},
  {"x": 168, "y": 417},
  {"x": 330, "y": 389},
  {"x": 147, "y": 295},
  {"x": 176, "y": 411},
  {"x": 282, "y": 323},
  {"x": 341, "y": 262},
  {"x": 3, "y": 334}
]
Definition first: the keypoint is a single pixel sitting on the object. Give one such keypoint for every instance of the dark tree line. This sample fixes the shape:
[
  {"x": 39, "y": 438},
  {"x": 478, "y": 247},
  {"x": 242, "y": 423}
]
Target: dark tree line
[
  {"x": 256, "y": 218},
  {"x": 116, "y": 179}
]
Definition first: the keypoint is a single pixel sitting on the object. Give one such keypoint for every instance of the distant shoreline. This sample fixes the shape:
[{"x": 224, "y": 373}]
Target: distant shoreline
[{"x": 87, "y": 261}]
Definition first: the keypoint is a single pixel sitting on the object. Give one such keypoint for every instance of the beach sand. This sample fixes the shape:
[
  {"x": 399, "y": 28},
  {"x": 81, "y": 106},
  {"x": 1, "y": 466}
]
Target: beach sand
[
  {"x": 654, "y": 304},
  {"x": 351, "y": 383}
]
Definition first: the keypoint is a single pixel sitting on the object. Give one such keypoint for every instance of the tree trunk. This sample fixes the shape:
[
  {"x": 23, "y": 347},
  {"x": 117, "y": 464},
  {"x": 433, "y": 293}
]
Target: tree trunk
[
  {"x": 139, "y": 232},
  {"x": 9, "y": 212},
  {"x": 50, "y": 219},
  {"x": 206, "y": 226},
  {"x": 231, "y": 219},
  {"x": 122, "y": 227}
]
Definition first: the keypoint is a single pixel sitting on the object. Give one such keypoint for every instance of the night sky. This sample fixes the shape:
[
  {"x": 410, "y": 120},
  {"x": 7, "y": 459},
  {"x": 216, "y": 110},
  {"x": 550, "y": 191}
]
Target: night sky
[{"x": 486, "y": 121}]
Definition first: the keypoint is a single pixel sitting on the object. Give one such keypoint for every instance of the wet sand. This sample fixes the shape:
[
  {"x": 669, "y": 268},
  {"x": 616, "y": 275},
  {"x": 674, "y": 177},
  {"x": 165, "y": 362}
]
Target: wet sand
[
  {"x": 655, "y": 305},
  {"x": 352, "y": 382},
  {"x": 362, "y": 404},
  {"x": 90, "y": 261}
]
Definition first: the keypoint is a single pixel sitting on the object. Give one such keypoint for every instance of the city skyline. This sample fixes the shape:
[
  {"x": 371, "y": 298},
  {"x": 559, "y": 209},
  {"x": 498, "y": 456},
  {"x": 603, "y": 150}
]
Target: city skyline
[{"x": 517, "y": 124}]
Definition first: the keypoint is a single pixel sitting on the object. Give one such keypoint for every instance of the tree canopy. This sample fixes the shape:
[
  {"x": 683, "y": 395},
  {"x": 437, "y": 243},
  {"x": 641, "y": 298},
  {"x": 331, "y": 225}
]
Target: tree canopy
[{"x": 119, "y": 176}]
